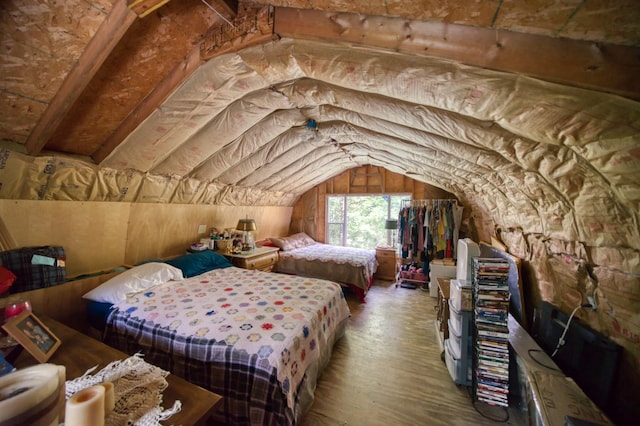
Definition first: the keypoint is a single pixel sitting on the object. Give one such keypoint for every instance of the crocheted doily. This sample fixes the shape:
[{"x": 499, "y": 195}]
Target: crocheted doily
[{"x": 138, "y": 388}]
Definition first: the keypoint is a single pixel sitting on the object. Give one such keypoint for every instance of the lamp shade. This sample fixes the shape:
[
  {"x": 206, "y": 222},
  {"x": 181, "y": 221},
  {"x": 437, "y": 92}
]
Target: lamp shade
[
  {"x": 246, "y": 225},
  {"x": 391, "y": 224}
]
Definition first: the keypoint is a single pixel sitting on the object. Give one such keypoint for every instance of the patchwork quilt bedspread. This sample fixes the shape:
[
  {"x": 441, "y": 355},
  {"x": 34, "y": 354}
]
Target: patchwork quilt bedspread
[
  {"x": 274, "y": 325},
  {"x": 317, "y": 259}
]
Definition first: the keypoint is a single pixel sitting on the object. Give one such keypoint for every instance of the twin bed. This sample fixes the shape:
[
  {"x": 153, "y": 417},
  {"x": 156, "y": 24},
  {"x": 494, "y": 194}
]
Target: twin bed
[
  {"x": 301, "y": 255},
  {"x": 258, "y": 339}
]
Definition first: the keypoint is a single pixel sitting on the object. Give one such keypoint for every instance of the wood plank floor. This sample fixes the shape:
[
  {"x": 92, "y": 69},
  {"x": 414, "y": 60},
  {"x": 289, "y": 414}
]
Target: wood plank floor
[{"x": 387, "y": 369}]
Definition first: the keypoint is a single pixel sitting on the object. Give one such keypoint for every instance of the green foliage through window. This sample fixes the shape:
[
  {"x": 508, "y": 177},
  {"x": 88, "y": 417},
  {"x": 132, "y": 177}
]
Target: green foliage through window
[{"x": 358, "y": 220}]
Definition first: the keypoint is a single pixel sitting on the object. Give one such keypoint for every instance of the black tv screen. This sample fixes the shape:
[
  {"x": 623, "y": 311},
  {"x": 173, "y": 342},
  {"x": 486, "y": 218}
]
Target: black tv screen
[{"x": 587, "y": 356}]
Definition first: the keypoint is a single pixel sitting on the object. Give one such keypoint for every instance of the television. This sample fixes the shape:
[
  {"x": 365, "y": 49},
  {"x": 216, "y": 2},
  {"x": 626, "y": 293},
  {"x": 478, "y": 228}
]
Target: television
[{"x": 587, "y": 356}]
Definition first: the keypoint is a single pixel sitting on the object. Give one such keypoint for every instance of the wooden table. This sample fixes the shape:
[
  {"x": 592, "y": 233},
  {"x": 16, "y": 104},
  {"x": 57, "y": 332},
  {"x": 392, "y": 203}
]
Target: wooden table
[{"x": 79, "y": 352}]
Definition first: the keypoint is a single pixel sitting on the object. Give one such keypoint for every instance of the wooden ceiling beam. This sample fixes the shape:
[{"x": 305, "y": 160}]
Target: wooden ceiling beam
[
  {"x": 231, "y": 6},
  {"x": 98, "y": 49},
  {"x": 247, "y": 30},
  {"x": 159, "y": 94},
  {"x": 596, "y": 66},
  {"x": 144, "y": 7},
  {"x": 179, "y": 74}
]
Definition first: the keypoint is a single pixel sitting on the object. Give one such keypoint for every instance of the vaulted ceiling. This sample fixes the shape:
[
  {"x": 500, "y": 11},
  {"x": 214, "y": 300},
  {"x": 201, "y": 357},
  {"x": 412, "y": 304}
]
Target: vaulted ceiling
[{"x": 527, "y": 110}]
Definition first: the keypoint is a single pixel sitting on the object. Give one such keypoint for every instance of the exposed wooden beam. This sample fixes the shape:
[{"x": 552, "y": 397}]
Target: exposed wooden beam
[
  {"x": 144, "y": 7},
  {"x": 106, "y": 38},
  {"x": 244, "y": 31},
  {"x": 231, "y": 6},
  {"x": 597, "y": 66},
  {"x": 179, "y": 74}
]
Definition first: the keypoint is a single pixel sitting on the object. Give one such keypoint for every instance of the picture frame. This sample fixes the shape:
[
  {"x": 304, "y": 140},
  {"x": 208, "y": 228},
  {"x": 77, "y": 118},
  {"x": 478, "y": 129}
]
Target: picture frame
[{"x": 32, "y": 335}]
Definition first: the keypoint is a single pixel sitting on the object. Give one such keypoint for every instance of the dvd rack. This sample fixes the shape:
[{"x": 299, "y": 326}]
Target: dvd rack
[{"x": 491, "y": 316}]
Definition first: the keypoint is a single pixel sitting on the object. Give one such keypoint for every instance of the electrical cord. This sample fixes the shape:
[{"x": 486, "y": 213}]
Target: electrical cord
[
  {"x": 566, "y": 327},
  {"x": 495, "y": 419}
]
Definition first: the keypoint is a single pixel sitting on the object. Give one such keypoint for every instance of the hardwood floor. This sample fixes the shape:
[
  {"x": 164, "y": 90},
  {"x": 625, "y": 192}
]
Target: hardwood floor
[{"x": 387, "y": 369}]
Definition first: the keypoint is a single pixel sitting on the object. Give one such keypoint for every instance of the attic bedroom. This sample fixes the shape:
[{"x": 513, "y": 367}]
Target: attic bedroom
[{"x": 130, "y": 129}]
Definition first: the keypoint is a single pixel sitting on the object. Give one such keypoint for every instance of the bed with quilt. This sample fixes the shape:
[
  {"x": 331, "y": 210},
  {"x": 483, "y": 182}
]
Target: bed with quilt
[
  {"x": 258, "y": 339},
  {"x": 302, "y": 255}
]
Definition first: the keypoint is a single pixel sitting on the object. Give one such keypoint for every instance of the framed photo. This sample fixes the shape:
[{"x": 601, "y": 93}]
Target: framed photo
[{"x": 32, "y": 335}]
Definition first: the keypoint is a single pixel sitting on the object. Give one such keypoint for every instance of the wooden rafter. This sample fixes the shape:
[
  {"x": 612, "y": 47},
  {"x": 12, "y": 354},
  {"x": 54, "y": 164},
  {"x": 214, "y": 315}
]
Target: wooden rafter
[
  {"x": 244, "y": 31},
  {"x": 106, "y": 38},
  {"x": 179, "y": 73},
  {"x": 597, "y": 66},
  {"x": 144, "y": 7}
]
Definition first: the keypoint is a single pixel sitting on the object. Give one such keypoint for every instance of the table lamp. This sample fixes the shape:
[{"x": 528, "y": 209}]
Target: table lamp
[
  {"x": 392, "y": 225},
  {"x": 247, "y": 226}
]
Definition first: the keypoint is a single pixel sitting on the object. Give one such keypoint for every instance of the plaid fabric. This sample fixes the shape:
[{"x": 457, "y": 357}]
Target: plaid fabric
[
  {"x": 246, "y": 335},
  {"x": 31, "y": 276},
  {"x": 250, "y": 388}
]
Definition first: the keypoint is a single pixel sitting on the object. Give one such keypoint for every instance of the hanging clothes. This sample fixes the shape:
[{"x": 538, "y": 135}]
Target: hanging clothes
[{"x": 429, "y": 228}]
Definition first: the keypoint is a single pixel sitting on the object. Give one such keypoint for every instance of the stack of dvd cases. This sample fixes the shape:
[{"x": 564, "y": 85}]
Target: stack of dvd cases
[{"x": 491, "y": 310}]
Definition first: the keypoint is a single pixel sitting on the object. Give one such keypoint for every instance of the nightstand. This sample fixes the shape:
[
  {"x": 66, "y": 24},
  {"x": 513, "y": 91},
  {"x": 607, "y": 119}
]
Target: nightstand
[
  {"x": 262, "y": 258},
  {"x": 387, "y": 258}
]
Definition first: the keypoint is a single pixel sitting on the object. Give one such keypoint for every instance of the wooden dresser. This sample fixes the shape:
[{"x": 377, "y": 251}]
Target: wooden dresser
[
  {"x": 387, "y": 259},
  {"x": 262, "y": 258}
]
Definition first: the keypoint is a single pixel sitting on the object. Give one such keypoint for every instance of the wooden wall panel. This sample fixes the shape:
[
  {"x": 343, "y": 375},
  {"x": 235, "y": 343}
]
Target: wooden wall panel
[
  {"x": 99, "y": 236},
  {"x": 394, "y": 182},
  {"x": 304, "y": 214},
  {"x": 40, "y": 43},
  {"x": 161, "y": 230},
  {"x": 312, "y": 204},
  {"x": 93, "y": 234}
]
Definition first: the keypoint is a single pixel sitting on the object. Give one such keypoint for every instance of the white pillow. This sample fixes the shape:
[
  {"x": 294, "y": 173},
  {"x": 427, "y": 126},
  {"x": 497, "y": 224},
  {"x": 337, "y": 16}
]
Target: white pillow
[{"x": 133, "y": 280}]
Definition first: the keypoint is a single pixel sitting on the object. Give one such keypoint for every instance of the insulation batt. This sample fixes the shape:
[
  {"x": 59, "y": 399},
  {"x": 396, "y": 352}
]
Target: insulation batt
[{"x": 525, "y": 154}]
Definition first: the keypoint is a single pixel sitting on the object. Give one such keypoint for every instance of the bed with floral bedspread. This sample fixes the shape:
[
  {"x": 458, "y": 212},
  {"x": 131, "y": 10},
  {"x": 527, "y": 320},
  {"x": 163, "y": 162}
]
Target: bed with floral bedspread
[
  {"x": 301, "y": 255},
  {"x": 258, "y": 339}
]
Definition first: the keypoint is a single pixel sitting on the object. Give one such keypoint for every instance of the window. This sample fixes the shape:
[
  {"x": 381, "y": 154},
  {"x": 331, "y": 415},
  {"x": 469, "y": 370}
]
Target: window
[{"x": 358, "y": 220}]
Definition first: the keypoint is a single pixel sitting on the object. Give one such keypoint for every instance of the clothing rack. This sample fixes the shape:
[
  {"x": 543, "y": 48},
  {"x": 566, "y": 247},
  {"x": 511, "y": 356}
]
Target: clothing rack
[
  {"x": 427, "y": 228},
  {"x": 425, "y": 221},
  {"x": 427, "y": 202}
]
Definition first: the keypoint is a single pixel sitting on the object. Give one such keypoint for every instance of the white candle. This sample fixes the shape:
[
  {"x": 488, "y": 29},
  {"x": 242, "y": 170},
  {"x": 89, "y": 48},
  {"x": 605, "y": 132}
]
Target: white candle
[
  {"x": 109, "y": 397},
  {"x": 86, "y": 407}
]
